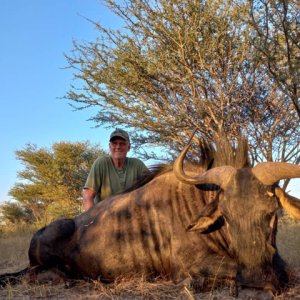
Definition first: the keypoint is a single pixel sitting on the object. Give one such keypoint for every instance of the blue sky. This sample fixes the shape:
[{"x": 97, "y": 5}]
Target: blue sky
[{"x": 35, "y": 34}]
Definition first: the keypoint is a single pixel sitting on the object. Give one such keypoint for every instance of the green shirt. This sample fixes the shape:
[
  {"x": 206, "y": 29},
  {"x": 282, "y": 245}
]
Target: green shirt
[{"x": 107, "y": 180}]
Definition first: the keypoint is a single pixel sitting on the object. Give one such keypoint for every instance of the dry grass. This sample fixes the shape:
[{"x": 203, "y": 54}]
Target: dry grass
[
  {"x": 14, "y": 246},
  {"x": 288, "y": 242}
]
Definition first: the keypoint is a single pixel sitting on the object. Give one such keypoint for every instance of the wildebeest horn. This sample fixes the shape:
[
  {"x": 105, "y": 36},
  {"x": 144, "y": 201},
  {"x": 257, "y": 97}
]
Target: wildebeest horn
[
  {"x": 219, "y": 176},
  {"x": 271, "y": 172}
]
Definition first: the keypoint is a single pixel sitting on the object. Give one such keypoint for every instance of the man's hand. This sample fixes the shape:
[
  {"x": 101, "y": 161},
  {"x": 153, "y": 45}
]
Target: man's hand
[{"x": 88, "y": 198}]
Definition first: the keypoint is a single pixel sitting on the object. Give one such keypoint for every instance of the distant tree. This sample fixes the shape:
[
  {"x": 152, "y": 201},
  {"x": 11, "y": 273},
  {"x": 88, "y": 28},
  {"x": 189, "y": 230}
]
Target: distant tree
[
  {"x": 13, "y": 213},
  {"x": 52, "y": 180},
  {"x": 179, "y": 65}
]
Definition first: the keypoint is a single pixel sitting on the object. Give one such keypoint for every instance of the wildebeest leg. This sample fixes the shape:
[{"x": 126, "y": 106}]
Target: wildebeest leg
[
  {"x": 280, "y": 269},
  {"x": 213, "y": 266},
  {"x": 48, "y": 244},
  {"x": 217, "y": 268},
  {"x": 12, "y": 278}
]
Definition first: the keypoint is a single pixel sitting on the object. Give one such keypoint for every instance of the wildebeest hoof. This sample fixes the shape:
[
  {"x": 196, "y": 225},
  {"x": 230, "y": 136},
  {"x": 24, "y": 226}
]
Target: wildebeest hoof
[{"x": 233, "y": 290}]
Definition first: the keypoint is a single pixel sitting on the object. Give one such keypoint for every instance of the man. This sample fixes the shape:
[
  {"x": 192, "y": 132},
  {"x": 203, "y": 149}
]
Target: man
[{"x": 112, "y": 174}]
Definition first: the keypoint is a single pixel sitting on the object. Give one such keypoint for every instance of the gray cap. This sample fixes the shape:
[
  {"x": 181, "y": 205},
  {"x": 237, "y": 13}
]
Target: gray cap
[{"x": 119, "y": 133}]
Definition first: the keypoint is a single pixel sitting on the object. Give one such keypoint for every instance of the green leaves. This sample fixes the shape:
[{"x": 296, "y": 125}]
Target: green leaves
[
  {"x": 177, "y": 65},
  {"x": 51, "y": 181}
]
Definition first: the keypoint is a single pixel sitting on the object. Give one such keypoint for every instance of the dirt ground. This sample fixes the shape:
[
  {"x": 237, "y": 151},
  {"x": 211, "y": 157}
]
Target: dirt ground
[{"x": 13, "y": 257}]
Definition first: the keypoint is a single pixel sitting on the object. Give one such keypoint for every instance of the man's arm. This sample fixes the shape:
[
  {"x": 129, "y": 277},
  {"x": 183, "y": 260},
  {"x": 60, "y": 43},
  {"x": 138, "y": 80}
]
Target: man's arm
[{"x": 88, "y": 198}]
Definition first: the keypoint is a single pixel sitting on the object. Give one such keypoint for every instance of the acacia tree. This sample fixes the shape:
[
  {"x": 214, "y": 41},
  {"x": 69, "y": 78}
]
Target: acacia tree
[
  {"x": 175, "y": 66},
  {"x": 275, "y": 37},
  {"x": 52, "y": 179},
  {"x": 273, "y": 129},
  {"x": 14, "y": 213}
]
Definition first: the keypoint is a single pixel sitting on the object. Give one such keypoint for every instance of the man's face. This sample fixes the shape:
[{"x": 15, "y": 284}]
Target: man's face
[{"x": 119, "y": 148}]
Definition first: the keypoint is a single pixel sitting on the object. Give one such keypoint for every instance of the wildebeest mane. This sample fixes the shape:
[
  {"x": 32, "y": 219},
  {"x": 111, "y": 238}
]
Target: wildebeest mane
[
  {"x": 154, "y": 171},
  {"x": 232, "y": 152},
  {"x": 223, "y": 152}
]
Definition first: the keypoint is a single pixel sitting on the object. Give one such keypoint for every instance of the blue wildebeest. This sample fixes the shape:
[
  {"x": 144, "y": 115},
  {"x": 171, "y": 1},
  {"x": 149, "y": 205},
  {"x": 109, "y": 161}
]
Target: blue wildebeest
[{"x": 214, "y": 219}]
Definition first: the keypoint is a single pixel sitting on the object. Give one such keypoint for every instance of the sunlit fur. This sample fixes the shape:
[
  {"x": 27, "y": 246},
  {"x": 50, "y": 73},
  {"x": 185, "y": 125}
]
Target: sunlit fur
[{"x": 144, "y": 230}]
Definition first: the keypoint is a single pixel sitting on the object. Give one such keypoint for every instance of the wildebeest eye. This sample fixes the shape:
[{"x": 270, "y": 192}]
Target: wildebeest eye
[{"x": 208, "y": 187}]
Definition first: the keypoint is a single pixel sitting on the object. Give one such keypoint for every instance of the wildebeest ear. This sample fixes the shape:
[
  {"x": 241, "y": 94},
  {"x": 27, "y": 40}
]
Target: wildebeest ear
[
  {"x": 206, "y": 218},
  {"x": 289, "y": 203},
  {"x": 201, "y": 224}
]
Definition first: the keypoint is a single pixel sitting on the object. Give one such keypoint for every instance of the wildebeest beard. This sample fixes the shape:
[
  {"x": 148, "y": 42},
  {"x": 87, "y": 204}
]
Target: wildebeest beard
[{"x": 214, "y": 219}]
